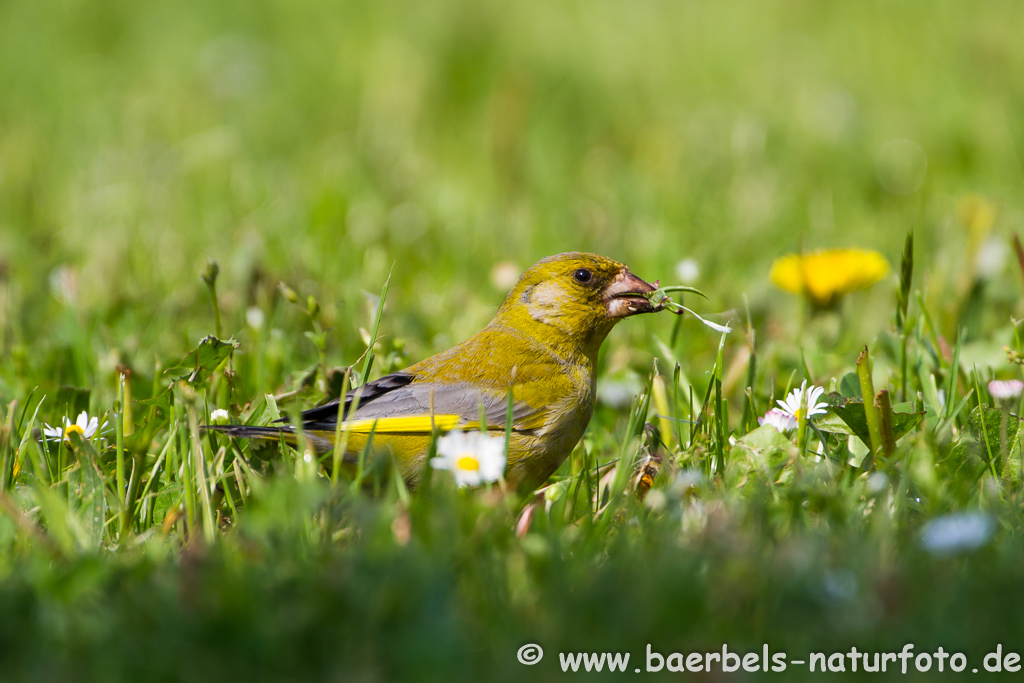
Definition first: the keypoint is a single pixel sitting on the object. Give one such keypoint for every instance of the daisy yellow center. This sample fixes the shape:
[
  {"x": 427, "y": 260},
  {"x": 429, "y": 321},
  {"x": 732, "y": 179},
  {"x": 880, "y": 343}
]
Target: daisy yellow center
[
  {"x": 73, "y": 428},
  {"x": 467, "y": 461},
  {"x": 799, "y": 413}
]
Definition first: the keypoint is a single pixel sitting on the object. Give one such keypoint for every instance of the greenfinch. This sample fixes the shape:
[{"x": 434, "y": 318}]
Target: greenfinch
[{"x": 539, "y": 353}]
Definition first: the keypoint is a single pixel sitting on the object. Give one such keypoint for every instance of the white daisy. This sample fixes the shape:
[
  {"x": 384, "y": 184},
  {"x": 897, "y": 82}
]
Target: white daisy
[
  {"x": 960, "y": 531},
  {"x": 220, "y": 416},
  {"x": 254, "y": 317},
  {"x": 85, "y": 427},
  {"x": 794, "y": 402},
  {"x": 1002, "y": 389},
  {"x": 780, "y": 419},
  {"x": 688, "y": 271},
  {"x": 474, "y": 458}
]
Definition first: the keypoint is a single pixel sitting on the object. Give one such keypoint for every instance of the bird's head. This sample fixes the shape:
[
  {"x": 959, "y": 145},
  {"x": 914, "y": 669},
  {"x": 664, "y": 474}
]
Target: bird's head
[{"x": 575, "y": 296}]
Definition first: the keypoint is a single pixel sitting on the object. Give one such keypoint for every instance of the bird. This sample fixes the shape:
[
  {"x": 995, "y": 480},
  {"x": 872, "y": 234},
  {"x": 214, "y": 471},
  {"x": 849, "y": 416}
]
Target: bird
[{"x": 538, "y": 353}]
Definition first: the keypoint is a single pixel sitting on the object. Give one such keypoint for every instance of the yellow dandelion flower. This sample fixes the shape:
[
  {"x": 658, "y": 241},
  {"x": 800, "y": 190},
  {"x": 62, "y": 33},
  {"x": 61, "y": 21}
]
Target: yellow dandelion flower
[
  {"x": 977, "y": 214},
  {"x": 826, "y": 276}
]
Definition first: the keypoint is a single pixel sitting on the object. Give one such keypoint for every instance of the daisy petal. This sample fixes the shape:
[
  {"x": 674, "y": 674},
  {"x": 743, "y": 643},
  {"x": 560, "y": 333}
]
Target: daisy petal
[{"x": 724, "y": 329}]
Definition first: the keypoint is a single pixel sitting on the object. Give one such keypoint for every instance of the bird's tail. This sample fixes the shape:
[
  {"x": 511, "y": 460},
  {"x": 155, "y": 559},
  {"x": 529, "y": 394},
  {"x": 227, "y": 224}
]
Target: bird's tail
[{"x": 287, "y": 434}]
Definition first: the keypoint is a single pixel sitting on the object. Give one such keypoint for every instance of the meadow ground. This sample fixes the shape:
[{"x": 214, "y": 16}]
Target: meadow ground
[{"x": 310, "y": 149}]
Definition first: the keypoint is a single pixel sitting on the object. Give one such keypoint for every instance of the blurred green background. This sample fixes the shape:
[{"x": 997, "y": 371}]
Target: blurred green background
[{"x": 321, "y": 143}]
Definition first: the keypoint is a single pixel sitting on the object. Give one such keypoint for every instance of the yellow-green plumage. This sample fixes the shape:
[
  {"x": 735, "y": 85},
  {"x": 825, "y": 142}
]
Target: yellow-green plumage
[{"x": 542, "y": 344}]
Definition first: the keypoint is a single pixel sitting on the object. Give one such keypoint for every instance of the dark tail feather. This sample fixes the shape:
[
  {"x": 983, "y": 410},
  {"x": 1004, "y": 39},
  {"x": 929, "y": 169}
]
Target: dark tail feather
[{"x": 244, "y": 432}]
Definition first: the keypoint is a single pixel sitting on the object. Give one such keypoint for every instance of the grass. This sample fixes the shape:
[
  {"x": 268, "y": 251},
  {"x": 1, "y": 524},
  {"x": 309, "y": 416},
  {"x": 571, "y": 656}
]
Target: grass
[{"x": 361, "y": 174}]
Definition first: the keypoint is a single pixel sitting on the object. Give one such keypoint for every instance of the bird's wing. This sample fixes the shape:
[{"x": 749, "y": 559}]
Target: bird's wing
[
  {"x": 398, "y": 404},
  {"x": 328, "y": 412}
]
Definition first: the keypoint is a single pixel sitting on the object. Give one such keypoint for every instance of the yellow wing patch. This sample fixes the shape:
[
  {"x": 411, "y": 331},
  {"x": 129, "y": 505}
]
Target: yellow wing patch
[{"x": 418, "y": 424}]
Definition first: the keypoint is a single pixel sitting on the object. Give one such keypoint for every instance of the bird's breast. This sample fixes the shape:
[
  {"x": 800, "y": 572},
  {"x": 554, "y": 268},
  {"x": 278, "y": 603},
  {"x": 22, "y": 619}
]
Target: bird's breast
[{"x": 537, "y": 453}]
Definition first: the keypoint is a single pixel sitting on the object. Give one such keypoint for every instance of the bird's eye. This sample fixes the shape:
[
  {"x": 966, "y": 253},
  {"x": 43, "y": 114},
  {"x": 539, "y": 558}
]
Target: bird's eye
[{"x": 582, "y": 275}]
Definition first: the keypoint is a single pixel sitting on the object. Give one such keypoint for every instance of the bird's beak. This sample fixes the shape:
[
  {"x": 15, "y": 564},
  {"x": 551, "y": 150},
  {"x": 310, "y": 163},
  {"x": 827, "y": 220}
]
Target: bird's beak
[{"x": 625, "y": 295}]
